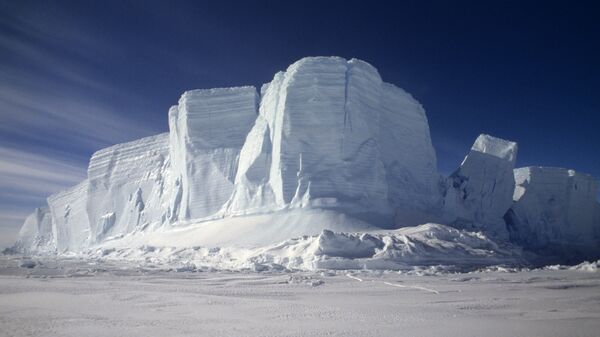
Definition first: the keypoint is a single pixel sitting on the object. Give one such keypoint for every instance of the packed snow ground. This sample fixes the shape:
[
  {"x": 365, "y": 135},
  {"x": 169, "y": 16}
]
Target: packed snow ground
[{"x": 71, "y": 297}]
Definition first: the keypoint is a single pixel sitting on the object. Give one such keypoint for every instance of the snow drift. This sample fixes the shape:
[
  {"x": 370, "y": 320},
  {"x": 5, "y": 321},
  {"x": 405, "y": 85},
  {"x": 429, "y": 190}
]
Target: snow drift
[{"x": 326, "y": 145}]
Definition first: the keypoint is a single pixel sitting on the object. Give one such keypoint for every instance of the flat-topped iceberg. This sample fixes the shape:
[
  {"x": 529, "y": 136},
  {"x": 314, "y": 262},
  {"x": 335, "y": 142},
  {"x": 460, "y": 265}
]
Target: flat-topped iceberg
[{"x": 326, "y": 145}]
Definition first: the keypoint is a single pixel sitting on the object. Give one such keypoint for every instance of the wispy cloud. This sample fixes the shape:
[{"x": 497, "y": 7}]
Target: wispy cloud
[
  {"x": 32, "y": 173},
  {"x": 63, "y": 102},
  {"x": 55, "y": 108},
  {"x": 26, "y": 180}
]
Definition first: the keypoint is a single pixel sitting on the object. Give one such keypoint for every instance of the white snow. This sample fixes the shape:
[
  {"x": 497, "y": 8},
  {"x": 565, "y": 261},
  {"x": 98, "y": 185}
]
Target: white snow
[
  {"x": 303, "y": 242},
  {"x": 95, "y": 298},
  {"x": 496, "y": 147}
]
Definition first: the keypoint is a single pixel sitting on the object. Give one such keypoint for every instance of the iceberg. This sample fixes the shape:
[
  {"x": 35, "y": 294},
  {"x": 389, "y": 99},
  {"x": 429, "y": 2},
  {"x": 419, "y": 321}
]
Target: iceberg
[
  {"x": 326, "y": 146},
  {"x": 480, "y": 192},
  {"x": 127, "y": 187},
  {"x": 207, "y": 132},
  {"x": 70, "y": 222},
  {"x": 36, "y": 234},
  {"x": 331, "y": 134},
  {"x": 555, "y": 210}
]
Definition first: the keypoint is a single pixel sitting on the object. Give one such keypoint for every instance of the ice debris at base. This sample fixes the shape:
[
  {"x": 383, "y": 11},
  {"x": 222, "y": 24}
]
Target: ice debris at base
[
  {"x": 326, "y": 145},
  {"x": 424, "y": 245},
  {"x": 585, "y": 266}
]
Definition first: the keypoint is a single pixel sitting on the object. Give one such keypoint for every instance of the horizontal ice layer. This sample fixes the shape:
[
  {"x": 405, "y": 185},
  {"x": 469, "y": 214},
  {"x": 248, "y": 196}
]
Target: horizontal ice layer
[
  {"x": 207, "y": 131},
  {"x": 36, "y": 234},
  {"x": 217, "y": 118},
  {"x": 480, "y": 192},
  {"x": 70, "y": 218},
  {"x": 555, "y": 209},
  {"x": 332, "y": 134},
  {"x": 129, "y": 187},
  {"x": 409, "y": 158}
]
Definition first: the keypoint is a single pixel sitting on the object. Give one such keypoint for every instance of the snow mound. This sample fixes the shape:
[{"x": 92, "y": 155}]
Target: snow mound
[
  {"x": 585, "y": 266},
  {"x": 424, "y": 245}
]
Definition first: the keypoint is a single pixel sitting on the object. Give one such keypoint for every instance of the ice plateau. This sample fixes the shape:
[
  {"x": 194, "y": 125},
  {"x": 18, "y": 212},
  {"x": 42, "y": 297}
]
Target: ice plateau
[{"x": 328, "y": 166}]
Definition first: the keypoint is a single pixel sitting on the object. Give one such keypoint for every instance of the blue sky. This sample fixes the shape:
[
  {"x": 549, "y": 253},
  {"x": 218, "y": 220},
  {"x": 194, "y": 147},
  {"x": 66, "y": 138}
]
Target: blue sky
[{"x": 76, "y": 76}]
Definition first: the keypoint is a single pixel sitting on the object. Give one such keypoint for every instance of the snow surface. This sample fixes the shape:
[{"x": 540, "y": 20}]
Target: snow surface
[
  {"x": 103, "y": 298},
  {"x": 239, "y": 244},
  {"x": 318, "y": 171}
]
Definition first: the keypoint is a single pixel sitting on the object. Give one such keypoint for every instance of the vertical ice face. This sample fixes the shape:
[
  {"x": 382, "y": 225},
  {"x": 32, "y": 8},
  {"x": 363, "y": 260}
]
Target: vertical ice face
[
  {"x": 69, "y": 217},
  {"x": 36, "y": 235},
  {"x": 555, "y": 207},
  {"x": 332, "y": 134},
  {"x": 207, "y": 131},
  {"x": 409, "y": 158},
  {"x": 128, "y": 187},
  {"x": 480, "y": 192}
]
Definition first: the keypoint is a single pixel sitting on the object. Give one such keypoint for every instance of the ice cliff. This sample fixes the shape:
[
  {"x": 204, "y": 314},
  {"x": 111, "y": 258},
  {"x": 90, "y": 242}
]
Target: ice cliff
[
  {"x": 480, "y": 192},
  {"x": 328, "y": 135},
  {"x": 326, "y": 143},
  {"x": 207, "y": 132},
  {"x": 555, "y": 210}
]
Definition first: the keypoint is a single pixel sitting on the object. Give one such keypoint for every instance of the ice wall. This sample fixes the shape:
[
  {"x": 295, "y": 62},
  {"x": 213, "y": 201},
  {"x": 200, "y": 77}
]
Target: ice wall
[
  {"x": 36, "y": 233},
  {"x": 325, "y": 134},
  {"x": 70, "y": 220},
  {"x": 409, "y": 158},
  {"x": 555, "y": 208},
  {"x": 332, "y": 134},
  {"x": 207, "y": 131},
  {"x": 480, "y": 192},
  {"x": 128, "y": 187}
]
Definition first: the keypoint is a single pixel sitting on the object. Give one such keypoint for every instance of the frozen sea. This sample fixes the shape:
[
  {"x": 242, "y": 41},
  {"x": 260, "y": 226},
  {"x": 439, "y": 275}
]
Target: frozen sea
[{"x": 101, "y": 298}]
